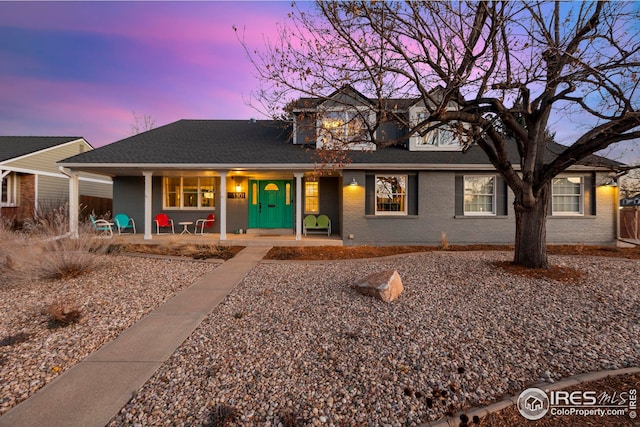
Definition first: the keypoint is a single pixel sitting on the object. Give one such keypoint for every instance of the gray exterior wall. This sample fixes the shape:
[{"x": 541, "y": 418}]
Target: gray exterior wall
[{"x": 437, "y": 214}]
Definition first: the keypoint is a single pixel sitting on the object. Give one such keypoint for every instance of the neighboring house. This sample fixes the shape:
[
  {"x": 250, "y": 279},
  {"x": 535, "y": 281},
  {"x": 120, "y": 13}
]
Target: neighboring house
[
  {"x": 260, "y": 176},
  {"x": 32, "y": 180}
]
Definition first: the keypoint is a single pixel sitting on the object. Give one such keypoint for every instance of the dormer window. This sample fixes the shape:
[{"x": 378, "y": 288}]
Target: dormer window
[
  {"x": 439, "y": 138},
  {"x": 344, "y": 128}
]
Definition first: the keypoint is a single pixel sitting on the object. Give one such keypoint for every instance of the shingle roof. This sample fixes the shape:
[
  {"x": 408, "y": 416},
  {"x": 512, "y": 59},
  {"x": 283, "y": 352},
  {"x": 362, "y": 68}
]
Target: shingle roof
[
  {"x": 17, "y": 146},
  {"x": 257, "y": 143}
]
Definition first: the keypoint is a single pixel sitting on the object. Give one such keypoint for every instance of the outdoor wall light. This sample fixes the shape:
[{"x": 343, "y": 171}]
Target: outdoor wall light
[{"x": 354, "y": 183}]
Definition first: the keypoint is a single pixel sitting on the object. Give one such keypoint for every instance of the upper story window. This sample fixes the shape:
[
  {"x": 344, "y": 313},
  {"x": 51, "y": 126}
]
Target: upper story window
[
  {"x": 188, "y": 193},
  {"x": 9, "y": 190},
  {"x": 567, "y": 195},
  {"x": 337, "y": 128},
  {"x": 391, "y": 195},
  {"x": 479, "y": 195},
  {"x": 441, "y": 138}
]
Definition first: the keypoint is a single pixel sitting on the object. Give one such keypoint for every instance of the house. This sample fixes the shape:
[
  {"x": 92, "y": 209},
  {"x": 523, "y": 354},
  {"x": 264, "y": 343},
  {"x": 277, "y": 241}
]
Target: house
[
  {"x": 260, "y": 176},
  {"x": 31, "y": 179}
]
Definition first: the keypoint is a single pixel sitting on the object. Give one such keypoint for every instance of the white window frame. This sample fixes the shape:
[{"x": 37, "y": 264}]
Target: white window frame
[
  {"x": 316, "y": 196},
  {"x": 403, "y": 212},
  {"x": 10, "y": 199},
  {"x": 493, "y": 196},
  {"x": 417, "y": 141},
  {"x": 580, "y": 196},
  {"x": 181, "y": 193},
  {"x": 324, "y": 138}
]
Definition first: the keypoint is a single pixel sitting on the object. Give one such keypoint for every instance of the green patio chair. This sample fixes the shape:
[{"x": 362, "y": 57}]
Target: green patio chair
[
  {"x": 323, "y": 223},
  {"x": 309, "y": 223},
  {"x": 123, "y": 223}
]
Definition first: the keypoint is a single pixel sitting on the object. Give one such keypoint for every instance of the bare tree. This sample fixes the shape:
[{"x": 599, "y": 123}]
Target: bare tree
[
  {"x": 507, "y": 66},
  {"x": 141, "y": 124}
]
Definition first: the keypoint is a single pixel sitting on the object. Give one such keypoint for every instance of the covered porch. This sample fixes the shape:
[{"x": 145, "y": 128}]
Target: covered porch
[{"x": 251, "y": 206}]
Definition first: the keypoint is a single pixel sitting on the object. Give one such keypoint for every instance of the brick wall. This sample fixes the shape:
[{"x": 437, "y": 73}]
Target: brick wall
[{"x": 437, "y": 214}]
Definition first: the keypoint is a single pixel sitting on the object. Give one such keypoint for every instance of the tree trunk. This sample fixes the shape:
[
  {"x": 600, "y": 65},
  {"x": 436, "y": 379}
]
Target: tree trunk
[{"x": 531, "y": 232}]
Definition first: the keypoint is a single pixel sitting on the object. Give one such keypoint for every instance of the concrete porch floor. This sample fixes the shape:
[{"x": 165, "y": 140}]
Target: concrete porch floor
[{"x": 232, "y": 239}]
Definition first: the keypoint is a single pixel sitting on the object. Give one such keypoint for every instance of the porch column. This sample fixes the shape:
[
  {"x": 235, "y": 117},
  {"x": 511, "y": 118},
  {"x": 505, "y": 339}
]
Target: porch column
[
  {"x": 2, "y": 175},
  {"x": 147, "y": 204},
  {"x": 222, "y": 215},
  {"x": 298, "y": 176},
  {"x": 74, "y": 203}
]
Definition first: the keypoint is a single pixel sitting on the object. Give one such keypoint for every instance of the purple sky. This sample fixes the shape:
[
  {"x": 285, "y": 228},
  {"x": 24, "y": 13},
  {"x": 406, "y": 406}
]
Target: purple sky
[{"x": 83, "y": 68}]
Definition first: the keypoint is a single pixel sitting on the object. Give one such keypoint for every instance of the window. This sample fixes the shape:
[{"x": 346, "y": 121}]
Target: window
[
  {"x": 441, "y": 138},
  {"x": 341, "y": 127},
  {"x": 479, "y": 195},
  {"x": 391, "y": 194},
  {"x": 567, "y": 196},
  {"x": 188, "y": 193},
  {"x": 311, "y": 197},
  {"x": 9, "y": 190}
]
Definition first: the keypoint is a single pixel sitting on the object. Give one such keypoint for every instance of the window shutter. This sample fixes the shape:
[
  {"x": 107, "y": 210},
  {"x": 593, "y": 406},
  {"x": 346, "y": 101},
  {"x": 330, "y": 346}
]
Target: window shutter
[
  {"x": 589, "y": 195},
  {"x": 459, "y": 185},
  {"x": 412, "y": 196},
  {"x": 370, "y": 195},
  {"x": 501, "y": 196}
]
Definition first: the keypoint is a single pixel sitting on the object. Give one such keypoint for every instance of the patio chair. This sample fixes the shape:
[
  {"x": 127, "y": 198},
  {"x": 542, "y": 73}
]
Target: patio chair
[
  {"x": 162, "y": 220},
  {"x": 324, "y": 222},
  {"x": 101, "y": 226},
  {"x": 123, "y": 223},
  {"x": 205, "y": 223}
]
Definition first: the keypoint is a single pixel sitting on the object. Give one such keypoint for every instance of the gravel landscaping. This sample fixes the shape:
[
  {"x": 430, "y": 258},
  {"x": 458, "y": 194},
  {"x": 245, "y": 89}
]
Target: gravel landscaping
[
  {"x": 112, "y": 297},
  {"x": 294, "y": 344}
]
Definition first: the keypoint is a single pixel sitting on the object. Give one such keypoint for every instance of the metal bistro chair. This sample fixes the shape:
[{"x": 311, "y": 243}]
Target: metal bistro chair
[
  {"x": 162, "y": 220},
  {"x": 102, "y": 226},
  {"x": 205, "y": 223},
  {"x": 123, "y": 223}
]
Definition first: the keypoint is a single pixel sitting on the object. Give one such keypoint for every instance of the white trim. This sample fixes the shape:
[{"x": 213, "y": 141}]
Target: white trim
[
  {"x": 223, "y": 205},
  {"x": 148, "y": 206},
  {"x": 55, "y": 175},
  {"x": 44, "y": 150},
  {"x": 493, "y": 196},
  {"x": 405, "y": 210},
  {"x": 308, "y": 166},
  {"x": 580, "y": 197}
]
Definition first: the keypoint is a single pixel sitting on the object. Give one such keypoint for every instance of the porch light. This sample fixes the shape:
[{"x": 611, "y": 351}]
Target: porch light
[
  {"x": 354, "y": 183},
  {"x": 238, "y": 188},
  {"x": 612, "y": 183}
]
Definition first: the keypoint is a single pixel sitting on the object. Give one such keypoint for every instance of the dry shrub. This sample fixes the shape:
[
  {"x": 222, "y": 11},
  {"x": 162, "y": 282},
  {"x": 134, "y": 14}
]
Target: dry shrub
[
  {"x": 444, "y": 243},
  {"x": 43, "y": 249},
  {"x": 221, "y": 416},
  {"x": 65, "y": 258},
  {"x": 62, "y": 312}
]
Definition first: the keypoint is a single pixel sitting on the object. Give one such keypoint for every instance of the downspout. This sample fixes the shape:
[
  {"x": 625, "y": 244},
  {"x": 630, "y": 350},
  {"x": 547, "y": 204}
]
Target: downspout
[{"x": 73, "y": 200}]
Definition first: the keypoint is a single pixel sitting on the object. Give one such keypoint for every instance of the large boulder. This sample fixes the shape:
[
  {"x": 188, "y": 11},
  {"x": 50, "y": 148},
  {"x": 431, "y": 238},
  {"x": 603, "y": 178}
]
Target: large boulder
[{"x": 385, "y": 286}]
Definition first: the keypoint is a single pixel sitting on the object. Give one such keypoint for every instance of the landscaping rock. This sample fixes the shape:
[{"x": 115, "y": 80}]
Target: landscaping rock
[{"x": 386, "y": 285}]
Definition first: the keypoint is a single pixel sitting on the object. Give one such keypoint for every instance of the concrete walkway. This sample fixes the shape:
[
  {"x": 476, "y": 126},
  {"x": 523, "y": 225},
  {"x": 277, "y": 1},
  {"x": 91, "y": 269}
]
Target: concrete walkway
[{"x": 94, "y": 390}]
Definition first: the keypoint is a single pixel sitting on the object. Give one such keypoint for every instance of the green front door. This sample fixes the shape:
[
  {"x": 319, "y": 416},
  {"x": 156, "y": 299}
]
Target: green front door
[{"x": 271, "y": 204}]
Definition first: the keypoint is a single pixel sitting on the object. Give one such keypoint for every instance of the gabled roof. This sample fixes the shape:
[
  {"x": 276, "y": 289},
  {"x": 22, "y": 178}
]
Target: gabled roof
[
  {"x": 391, "y": 104},
  {"x": 12, "y": 147},
  {"x": 226, "y": 144}
]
